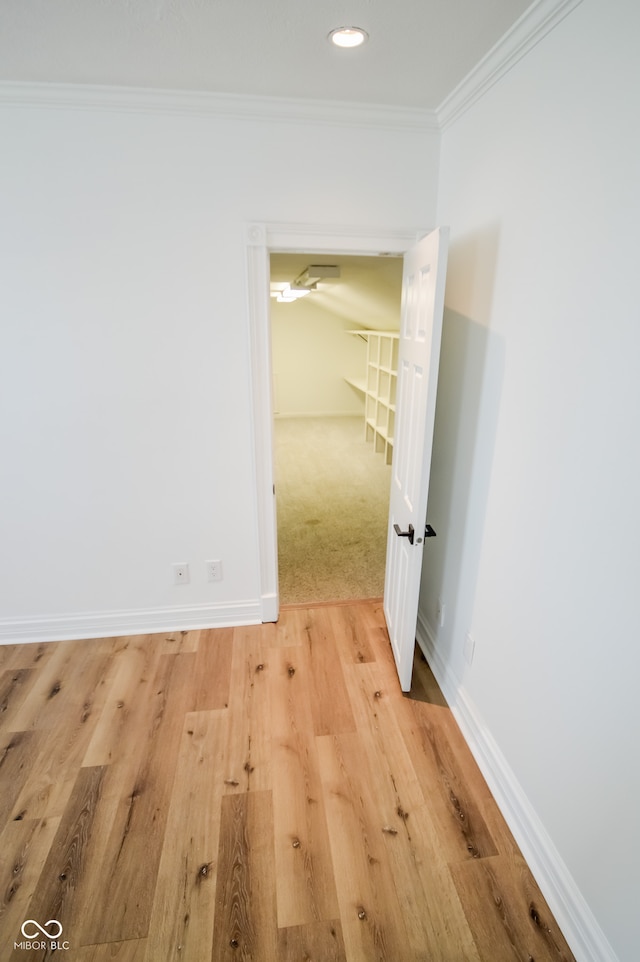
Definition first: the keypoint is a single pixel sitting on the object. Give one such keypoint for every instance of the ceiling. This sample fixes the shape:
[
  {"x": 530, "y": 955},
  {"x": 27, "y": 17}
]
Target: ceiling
[
  {"x": 367, "y": 293},
  {"x": 418, "y": 51}
]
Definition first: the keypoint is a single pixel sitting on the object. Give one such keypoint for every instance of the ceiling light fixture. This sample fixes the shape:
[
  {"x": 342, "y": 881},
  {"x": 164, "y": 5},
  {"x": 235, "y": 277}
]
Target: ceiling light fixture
[
  {"x": 305, "y": 283},
  {"x": 289, "y": 294},
  {"x": 348, "y": 36},
  {"x": 314, "y": 273}
]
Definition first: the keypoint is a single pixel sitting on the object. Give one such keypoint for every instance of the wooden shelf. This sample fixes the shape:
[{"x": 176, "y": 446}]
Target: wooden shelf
[
  {"x": 360, "y": 384},
  {"x": 379, "y": 388}
]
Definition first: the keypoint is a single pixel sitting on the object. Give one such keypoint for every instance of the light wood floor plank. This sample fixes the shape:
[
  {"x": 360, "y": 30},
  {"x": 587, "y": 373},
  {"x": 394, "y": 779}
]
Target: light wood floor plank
[
  {"x": 419, "y": 870},
  {"x": 330, "y": 703},
  {"x": 373, "y": 921},
  {"x": 130, "y": 734},
  {"x": 132, "y": 951},
  {"x": 288, "y": 631},
  {"x": 180, "y": 642},
  {"x": 24, "y": 846},
  {"x": 7, "y": 655},
  {"x": 463, "y": 830},
  {"x": 65, "y": 868},
  {"x": 351, "y": 632},
  {"x": 19, "y": 754},
  {"x": 181, "y": 925},
  {"x": 503, "y": 907},
  {"x": 64, "y": 706},
  {"x": 317, "y": 942},
  {"x": 382, "y": 738},
  {"x": 130, "y": 862},
  {"x": 28, "y": 656},
  {"x": 14, "y": 684},
  {"x": 248, "y": 752},
  {"x": 305, "y": 883},
  {"x": 43, "y": 706},
  {"x": 213, "y": 670},
  {"x": 245, "y": 918},
  {"x": 128, "y": 700}
]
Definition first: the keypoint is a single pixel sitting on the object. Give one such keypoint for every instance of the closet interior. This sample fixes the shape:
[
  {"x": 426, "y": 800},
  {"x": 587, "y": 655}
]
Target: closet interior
[{"x": 334, "y": 329}]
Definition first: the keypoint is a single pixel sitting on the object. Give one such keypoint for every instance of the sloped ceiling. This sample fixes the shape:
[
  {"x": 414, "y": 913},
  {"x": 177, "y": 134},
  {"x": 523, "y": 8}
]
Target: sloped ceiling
[
  {"x": 418, "y": 51},
  {"x": 367, "y": 293}
]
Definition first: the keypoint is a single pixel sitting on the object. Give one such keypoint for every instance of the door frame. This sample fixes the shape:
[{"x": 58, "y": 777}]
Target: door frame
[{"x": 262, "y": 239}]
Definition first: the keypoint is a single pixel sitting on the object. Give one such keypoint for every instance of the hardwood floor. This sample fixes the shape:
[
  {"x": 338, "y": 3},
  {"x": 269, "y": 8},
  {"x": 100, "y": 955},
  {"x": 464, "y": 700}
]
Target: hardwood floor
[{"x": 263, "y": 793}]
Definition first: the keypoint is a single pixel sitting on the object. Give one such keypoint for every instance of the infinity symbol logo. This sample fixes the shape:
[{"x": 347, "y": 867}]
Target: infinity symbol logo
[{"x": 43, "y": 929}]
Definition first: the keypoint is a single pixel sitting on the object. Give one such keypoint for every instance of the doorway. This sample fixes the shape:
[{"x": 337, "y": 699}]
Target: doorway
[
  {"x": 332, "y": 471},
  {"x": 262, "y": 241}
]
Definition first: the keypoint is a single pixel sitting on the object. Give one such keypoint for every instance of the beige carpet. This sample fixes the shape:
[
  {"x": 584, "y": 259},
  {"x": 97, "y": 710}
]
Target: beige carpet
[{"x": 332, "y": 498}]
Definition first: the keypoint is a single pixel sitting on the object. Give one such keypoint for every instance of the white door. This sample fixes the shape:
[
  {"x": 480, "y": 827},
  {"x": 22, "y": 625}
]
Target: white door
[{"x": 419, "y": 355}]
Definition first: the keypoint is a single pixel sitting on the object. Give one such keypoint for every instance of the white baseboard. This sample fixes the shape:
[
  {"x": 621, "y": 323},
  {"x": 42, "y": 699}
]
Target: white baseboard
[
  {"x": 579, "y": 926},
  {"x": 270, "y": 607},
  {"x": 142, "y": 621}
]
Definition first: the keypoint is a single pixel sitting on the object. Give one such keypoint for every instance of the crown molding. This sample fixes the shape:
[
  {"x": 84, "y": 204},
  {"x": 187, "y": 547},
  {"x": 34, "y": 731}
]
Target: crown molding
[
  {"x": 213, "y": 105},
  {"x": 535, "y": 23}
]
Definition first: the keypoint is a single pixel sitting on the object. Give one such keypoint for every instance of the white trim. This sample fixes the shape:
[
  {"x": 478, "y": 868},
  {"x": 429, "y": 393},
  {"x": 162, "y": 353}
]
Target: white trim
[
  {"x": 261, "y": 391},
  {"x": 260, "y": 240},
  {"x": 535, "y": 23},
  {"x": 197, "y": 103},
  {"x": 338, "y": 239},
  {"x": 137, "y": 621},
  {"x": 572, "y": 913}
]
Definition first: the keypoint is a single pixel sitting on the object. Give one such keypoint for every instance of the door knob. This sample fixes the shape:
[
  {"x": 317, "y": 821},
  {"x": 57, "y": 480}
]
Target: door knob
[{"x": 405, "y": 534}]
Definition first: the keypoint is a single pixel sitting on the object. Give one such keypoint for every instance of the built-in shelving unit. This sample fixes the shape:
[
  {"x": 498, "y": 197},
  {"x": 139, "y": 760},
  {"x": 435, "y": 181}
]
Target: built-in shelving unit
[{"x": 379, "y": 388}]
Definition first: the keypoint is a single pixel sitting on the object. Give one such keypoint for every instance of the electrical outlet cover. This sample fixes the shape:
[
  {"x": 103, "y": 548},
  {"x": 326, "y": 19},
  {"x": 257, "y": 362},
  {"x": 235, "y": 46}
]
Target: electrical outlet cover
[
  {"x": 181, "y": 574},
  {"x": 214, "y": 570}
]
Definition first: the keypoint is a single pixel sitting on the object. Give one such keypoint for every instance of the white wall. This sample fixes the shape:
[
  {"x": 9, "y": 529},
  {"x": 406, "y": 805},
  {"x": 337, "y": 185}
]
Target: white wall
[
  {"x": 312, "y": 356},
  {"x": 536, "y": 468},
  {"x": 125, "y": 393}
]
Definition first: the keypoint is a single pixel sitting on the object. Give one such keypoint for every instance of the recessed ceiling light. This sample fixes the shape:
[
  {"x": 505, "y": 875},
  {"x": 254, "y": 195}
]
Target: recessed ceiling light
[{"x": 348, "y": 36}]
